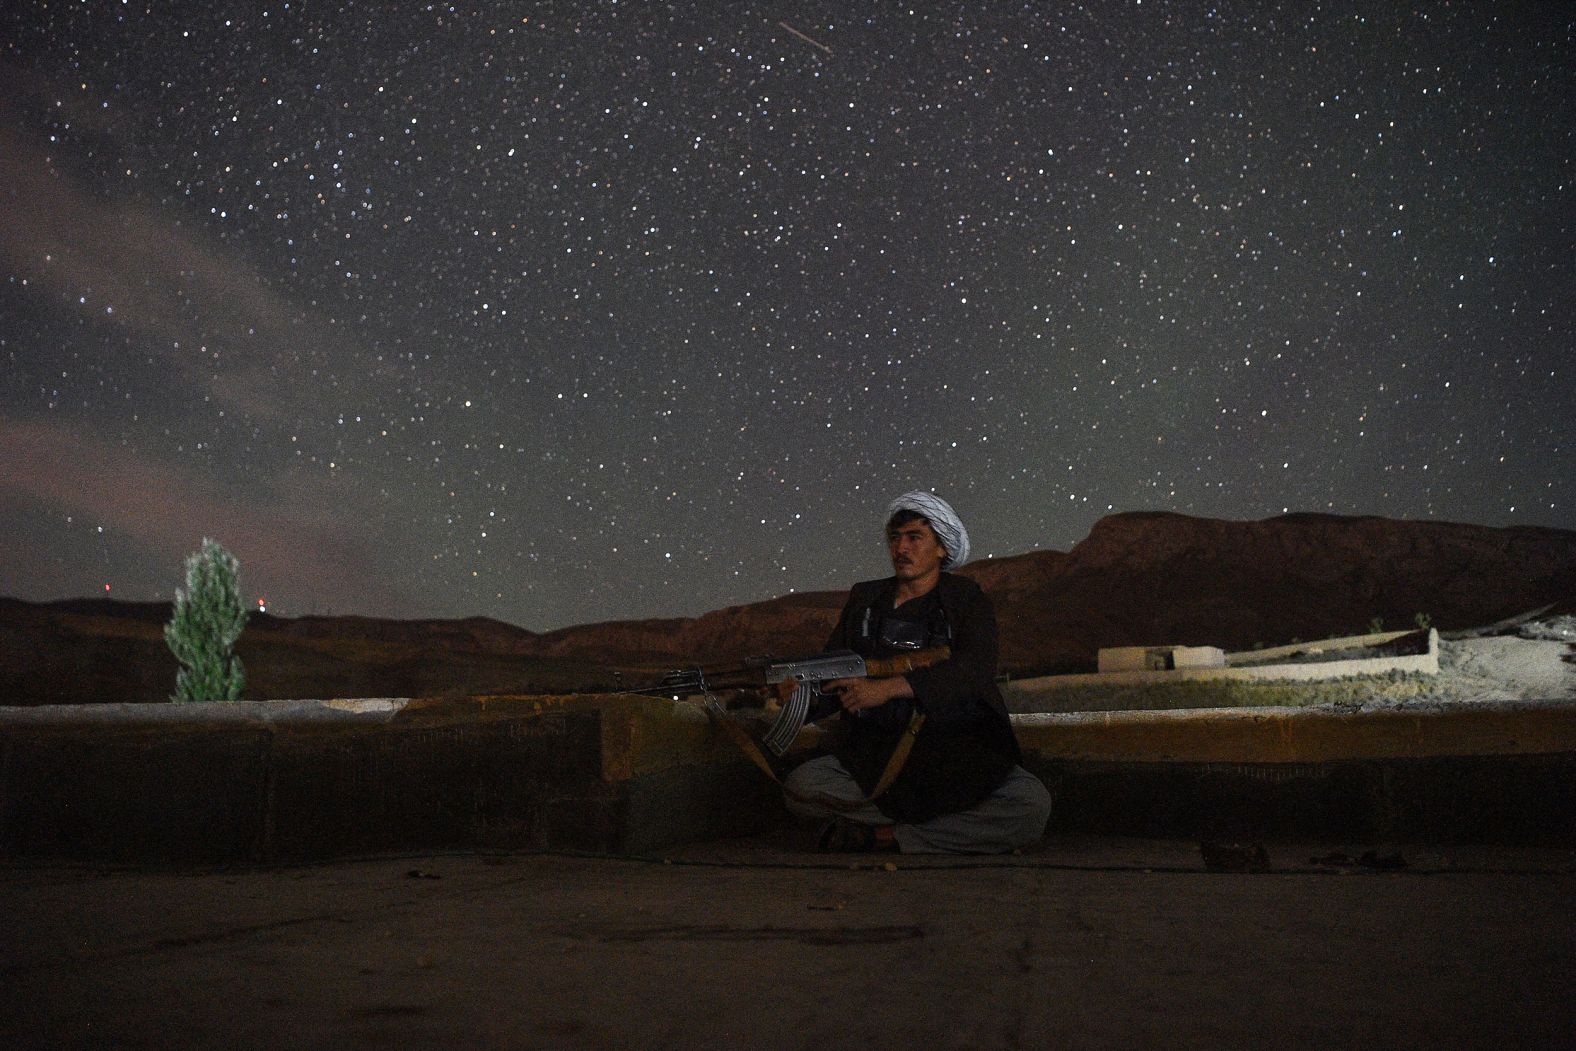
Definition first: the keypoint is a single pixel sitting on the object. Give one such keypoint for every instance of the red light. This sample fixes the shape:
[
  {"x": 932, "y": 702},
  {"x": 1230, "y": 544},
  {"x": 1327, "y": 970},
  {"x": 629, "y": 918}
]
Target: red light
[{"x": 106, "y": 587}]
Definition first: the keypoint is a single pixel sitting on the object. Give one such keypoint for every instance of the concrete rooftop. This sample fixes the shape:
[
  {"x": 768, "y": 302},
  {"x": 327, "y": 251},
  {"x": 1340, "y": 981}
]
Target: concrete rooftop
[{"x": 1083, "y": 943}]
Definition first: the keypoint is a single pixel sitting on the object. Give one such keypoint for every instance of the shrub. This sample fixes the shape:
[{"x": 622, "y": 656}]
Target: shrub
[{"x": 208, "y": 618}]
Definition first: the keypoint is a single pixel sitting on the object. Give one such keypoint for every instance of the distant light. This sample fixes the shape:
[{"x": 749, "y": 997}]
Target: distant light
[{"x": 106, "y": 587}]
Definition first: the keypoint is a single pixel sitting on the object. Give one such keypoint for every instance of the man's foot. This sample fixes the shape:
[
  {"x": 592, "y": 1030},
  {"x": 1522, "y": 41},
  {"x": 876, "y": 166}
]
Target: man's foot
[{"x": 842, "y": 836}]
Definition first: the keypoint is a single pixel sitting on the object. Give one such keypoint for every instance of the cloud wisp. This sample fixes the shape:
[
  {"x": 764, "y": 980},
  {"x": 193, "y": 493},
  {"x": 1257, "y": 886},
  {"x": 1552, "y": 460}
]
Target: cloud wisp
[{"x": 300, "y": 536}]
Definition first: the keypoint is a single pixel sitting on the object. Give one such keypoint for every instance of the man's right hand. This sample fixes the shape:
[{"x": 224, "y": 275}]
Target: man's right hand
[{"x": 858, "y": 695}]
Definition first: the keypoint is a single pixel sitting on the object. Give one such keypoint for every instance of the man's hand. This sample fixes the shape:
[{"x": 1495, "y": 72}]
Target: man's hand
[{"x": 859, "y": 694}]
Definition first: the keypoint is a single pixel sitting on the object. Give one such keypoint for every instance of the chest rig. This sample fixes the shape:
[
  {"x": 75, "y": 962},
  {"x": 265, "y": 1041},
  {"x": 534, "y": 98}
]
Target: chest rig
[{"x": 891, "y": 631}]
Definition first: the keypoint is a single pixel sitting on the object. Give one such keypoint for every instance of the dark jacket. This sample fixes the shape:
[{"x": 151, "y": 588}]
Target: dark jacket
[{"x": 966, "y": 748}]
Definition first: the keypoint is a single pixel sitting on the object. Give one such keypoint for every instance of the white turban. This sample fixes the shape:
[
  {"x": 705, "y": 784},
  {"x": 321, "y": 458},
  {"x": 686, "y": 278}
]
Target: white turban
[{"x": 943, "y": 521}]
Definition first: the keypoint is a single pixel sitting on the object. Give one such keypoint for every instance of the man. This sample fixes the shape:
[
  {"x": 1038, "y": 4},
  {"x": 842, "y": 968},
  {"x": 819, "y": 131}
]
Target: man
[{"x": 961, "y": 789}]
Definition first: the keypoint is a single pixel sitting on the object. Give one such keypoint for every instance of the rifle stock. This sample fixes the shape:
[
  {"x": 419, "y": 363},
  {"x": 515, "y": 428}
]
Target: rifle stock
[{"x": 877, "y": 668}]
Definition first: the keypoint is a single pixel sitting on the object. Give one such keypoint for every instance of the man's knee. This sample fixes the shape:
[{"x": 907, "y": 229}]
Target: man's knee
[
  {"x": 1038, "y": 798},
  {"x": 1031, "y": 801},
  {"x": 813, "y": 787},
  {"x": 797, "y": 787},
  {"x": 812, "y": 776}
]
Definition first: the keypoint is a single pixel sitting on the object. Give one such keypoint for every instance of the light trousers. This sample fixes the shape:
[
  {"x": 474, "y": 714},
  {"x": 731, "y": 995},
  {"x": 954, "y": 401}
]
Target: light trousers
[{"x": 1011, "y": 817}]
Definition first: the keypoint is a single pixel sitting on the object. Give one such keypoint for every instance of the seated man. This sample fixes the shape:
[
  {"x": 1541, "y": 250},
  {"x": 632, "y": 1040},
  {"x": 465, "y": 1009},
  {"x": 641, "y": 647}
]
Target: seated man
[{"x": 961, "y": 789}]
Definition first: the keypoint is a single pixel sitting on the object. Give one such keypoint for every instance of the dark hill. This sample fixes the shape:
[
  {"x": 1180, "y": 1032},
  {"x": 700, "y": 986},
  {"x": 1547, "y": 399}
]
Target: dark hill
[
  {"x": 1150, "y": 578},
  {"x": 1143, "y": 578},
  {"x": 1138, "y": 578},
  {"x": 97, "y": 650}
]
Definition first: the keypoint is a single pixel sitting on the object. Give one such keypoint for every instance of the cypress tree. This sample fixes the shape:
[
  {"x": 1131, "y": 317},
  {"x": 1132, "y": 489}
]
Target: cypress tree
[{"x": 208, "y": 618}]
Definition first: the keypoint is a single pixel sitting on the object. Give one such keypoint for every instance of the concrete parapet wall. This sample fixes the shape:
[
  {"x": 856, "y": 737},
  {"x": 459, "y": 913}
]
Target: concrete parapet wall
[
  {"x": 1523, "y": 799},
  {"x": 301, "y": 780},
  {"x": 282, "y": 780},
  {"x": 1502, "y": 772},
  {"x": 1300, "y": 735}
]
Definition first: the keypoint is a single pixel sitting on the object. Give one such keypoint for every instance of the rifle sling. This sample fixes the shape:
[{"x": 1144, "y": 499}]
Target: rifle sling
[
  {"x": 745, "y": 742},
  {"x": 894, "y": 765},
  {"x": 892, "y": 666},
  {"x": 905, "y": 745},
  {"x": 747, "y": 745}
]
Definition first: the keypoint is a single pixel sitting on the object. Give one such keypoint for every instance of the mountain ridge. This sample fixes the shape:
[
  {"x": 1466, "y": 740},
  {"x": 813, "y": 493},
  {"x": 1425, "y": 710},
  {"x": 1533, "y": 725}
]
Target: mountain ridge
[{"x": 1138, "y": 578}]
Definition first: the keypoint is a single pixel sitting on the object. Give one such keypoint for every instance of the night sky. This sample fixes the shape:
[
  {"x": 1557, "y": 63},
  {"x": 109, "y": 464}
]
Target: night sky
[{"x": 566, "y": 312}]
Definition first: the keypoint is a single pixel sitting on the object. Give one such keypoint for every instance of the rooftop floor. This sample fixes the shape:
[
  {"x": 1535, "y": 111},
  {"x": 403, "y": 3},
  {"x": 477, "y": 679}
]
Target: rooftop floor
[{"x": 1082, "y": 943}]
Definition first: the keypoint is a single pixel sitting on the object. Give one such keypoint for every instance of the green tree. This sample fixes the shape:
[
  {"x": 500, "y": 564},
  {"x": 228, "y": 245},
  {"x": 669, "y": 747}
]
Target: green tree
[{"x": 208, "y": 618}]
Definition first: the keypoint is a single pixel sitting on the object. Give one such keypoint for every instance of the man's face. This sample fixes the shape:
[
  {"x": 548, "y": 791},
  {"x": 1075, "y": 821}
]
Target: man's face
[{"x": 915, "y": 551}]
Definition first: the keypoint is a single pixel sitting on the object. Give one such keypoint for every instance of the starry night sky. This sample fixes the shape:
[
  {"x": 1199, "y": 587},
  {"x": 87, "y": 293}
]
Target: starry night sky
[{"x": 565, "y": 312}]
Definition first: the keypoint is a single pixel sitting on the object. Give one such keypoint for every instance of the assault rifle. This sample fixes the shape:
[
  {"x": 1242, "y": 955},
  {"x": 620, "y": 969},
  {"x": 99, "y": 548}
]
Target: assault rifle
[{"x": 795, "y": 684}]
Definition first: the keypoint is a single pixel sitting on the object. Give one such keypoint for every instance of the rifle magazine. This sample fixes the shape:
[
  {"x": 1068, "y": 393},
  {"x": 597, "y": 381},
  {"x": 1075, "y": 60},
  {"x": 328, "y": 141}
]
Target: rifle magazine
[{"x": 790, "y": 720}]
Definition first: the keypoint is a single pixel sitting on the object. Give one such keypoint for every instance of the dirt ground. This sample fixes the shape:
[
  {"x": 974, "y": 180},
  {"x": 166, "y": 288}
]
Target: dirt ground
[
  {"x": 1079, "y": 944},
  {"x": 1504, "y": 667}
]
